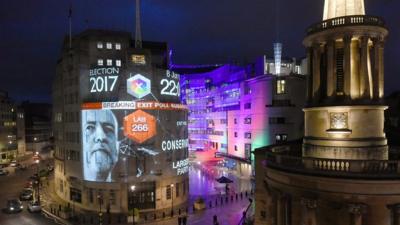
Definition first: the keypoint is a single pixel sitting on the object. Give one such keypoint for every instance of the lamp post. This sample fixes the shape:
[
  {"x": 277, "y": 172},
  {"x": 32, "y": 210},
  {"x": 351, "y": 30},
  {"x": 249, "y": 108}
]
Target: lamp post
[
  {"x": 99, "y": 197},
  {"x": 37, "y": 161},
  {"x": 172, "y": 200},
  {"x": 133, "y": 187}
]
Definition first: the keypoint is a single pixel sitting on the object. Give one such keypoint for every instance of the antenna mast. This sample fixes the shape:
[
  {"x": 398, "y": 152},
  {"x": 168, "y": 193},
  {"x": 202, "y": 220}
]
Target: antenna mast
[{"x": 138, "y": 33}]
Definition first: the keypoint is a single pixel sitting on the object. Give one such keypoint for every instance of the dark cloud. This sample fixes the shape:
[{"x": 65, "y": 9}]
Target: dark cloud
[{"x": 206, "y": 31}]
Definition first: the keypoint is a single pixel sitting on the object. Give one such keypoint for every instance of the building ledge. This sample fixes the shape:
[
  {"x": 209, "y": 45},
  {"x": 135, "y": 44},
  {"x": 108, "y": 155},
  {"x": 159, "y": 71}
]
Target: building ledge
[{"x": 346, "y": 21}]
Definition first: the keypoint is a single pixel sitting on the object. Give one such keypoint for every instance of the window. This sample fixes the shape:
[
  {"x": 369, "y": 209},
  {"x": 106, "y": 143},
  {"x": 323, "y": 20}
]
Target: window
[
  {"x": 223, "y": 121},
  {"x": 177, "y": 189},
  {"x": 118, "y": 62},
  {"x": 118, "y": 46},
  {"x": 235, "y": 134},
  {"x": 281, "y": 138},
  {"x": 235, "y": 121},
  {"x": 75, "y": 195},
  {"x": 109, "y": 62},
  {"x": 247, "y": 120},
  {"x": 112, "y": 197},
  {"x": 247, "y": 135},
  {"x": 90, "y": 195},
  {"x": 247, "y": 89},
  {"x": 280, "y": 87},
  {"x": 138, "y": 59},
  {"x": 277, "y": 120},
  {"x": 99, "y": 45},
  {"x": 236, "y": 148},
  {"x": 168, "y": 192},
  {"x": 247, "y": 105},
  {"x": 100, "y": 62},
  {"x": 109, "y": 45},
  {"x": 247, "y": 151}
]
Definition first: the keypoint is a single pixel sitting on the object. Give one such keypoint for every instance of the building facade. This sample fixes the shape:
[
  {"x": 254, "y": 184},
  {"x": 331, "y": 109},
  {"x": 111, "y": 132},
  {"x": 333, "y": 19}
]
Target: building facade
[
  {"x": 12, "y": 137},
  {"x": 343, "y": 172},
  {"x": 38, "y": 130},
  {"x": 234, "y": 110},
  {"x": 120, "y": 131}
]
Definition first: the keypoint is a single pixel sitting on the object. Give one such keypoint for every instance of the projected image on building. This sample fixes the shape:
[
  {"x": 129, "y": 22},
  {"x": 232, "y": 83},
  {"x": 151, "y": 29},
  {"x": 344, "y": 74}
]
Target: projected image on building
[{"x": 141, "y": 134}]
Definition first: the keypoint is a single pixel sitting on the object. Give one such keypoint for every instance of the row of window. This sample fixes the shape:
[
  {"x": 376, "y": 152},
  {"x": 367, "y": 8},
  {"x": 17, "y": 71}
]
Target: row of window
[
  {"x": 247, "y": 135},
  {"x": 109, "y": 45},
  {"x": 247, "y": 120},
  {"x": 109, "y": 62}
]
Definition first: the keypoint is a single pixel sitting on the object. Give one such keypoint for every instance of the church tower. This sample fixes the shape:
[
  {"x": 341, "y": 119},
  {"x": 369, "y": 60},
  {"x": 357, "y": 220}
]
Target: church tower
[{"x": 344, "y": 116}]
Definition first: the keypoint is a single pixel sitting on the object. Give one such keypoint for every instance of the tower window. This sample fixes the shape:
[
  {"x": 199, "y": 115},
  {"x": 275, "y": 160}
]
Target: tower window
[
  {"x": 280, "y": 87},
  {"x": 118, "y": 46},
  {"x": 99, "y": 45},
  {"x": 100, "y": 62},
  {"x": 109, "y": 62},
  {"x": 109, "y": 45},
  {"x": 118, "y": 62}
]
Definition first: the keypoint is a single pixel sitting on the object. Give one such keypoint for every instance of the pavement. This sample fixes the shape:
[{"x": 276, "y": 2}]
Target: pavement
[{"x": 227, "y": 206}]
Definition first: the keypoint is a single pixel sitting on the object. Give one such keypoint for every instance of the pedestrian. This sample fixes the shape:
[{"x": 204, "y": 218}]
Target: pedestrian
[
  {"x": 179, "y": 220},
  {"x": 215, "y": 220},
  {"x": 184, "y": 220}
]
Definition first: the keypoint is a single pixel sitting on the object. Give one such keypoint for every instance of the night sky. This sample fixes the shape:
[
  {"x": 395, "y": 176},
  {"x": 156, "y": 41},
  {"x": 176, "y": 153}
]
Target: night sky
[{"x": 205, "y": 31}]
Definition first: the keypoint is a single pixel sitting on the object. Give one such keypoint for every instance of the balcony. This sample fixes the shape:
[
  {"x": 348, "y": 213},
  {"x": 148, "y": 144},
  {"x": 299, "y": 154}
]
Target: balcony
[
  {"x": 289, "y": 159},
  {"x": 346, "y": 21}
]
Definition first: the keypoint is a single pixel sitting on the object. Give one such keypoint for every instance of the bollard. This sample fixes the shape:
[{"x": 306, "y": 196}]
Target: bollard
[{"x": 246, "y": 193}]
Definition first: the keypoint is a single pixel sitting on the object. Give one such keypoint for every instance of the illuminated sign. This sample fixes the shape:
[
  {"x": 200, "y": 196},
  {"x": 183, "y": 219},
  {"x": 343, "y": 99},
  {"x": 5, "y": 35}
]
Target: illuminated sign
[
  {"x": 138, "y": 59},
  {"x": 103, "y": 79},
  {"x": 139, "y": 126},
  {"x": 181, "y": 166},
  {"x": 170, "y": 145},
  {"x": 138, "y": 86}
]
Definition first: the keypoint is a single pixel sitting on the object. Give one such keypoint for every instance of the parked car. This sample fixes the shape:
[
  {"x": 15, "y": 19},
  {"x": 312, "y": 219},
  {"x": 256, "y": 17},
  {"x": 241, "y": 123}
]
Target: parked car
[
  {"x": 4, "y": 172},
  {"x": 34, "y": 206},
  {"x": 26, "y": 195},
  {"x": 14, "y": 206},
  {"x": 14, "y": 163}
]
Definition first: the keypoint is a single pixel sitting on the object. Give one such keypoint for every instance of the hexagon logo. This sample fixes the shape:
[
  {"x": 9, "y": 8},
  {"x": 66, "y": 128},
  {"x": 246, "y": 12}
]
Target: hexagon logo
[
  {"x": 140, "y": 126},
  {"x": 138, "y": 86}
]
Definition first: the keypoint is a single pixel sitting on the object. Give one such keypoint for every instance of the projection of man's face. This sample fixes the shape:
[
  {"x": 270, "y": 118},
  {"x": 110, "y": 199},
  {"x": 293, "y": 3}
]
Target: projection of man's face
[{"x": 99, "y": 144}]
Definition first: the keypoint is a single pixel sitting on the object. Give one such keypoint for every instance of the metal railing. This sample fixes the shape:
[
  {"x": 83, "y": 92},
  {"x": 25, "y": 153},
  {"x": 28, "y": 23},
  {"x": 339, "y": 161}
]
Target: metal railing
[
  {"x": 346, "y": 21},
  {"x": 372, "y": 169}
]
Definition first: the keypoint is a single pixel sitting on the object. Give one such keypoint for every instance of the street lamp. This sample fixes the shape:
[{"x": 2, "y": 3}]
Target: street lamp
[
  {"x": 99, "y": 197},
  {"x": 133, "y": 187},
  {"x": 172, "y": 200},
  {"x": 37, "y": 161}
]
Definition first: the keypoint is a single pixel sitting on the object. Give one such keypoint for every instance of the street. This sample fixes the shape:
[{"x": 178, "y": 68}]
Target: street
[{"x": 11, "y": 186}]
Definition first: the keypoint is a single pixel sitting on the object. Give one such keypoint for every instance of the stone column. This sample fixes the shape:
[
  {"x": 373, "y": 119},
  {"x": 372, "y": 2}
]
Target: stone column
[
  {"x": 355, "y": 69},
  {"x": 378, "y": 76},
  {"x": 309, "y": 215},
  {"x": 356, "y": 210},
  {"x": 364, "y": 76},
  {"x": 347, "y": 64},
  {"x": 316, "y": 72},
  {"x": 331, "y": 75},
  {"x": 310, "y": 72}
]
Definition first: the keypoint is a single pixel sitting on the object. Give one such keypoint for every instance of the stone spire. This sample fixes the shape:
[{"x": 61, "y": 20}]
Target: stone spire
[{"x": 338, "y": 8}]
